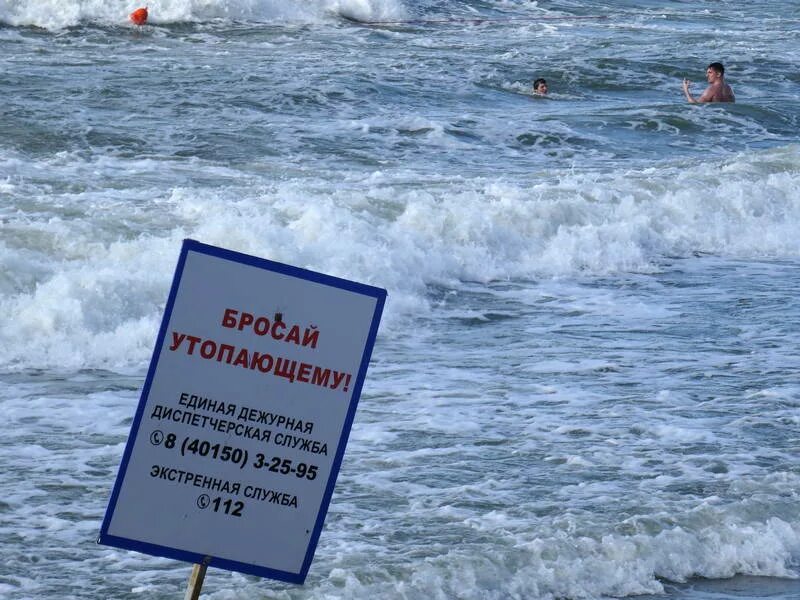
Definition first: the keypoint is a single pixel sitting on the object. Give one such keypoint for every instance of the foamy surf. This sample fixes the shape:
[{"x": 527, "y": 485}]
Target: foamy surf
[
  {"x": 54, "y": 16},
  {"x": 572, "y": 225},
  {"x": 585, "y": 380}
]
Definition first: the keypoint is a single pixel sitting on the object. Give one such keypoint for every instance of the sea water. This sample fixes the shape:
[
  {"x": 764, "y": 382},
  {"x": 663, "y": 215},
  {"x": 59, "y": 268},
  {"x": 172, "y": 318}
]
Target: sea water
[{"x": 585, "y": 384}]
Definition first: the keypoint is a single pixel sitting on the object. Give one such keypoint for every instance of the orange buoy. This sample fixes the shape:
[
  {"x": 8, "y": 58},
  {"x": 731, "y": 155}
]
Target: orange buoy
[{"x": 139, "y": 16}]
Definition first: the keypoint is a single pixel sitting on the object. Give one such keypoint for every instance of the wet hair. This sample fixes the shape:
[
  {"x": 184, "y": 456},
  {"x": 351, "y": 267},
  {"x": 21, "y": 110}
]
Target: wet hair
[
  {"x": 538, "y": 82},
  {"x": 717, "y": 66}
]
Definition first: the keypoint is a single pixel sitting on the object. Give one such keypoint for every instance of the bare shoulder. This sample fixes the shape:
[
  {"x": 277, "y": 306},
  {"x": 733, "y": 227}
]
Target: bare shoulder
[
  {"x": 722, "y": 93},
  {"x": 718, "y": 92},
  {"x": 727, "y": 93}
]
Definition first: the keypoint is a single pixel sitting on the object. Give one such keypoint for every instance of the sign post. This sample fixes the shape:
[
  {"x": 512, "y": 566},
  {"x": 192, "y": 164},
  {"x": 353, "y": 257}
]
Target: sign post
[
  {"x": 196, "y": 582},
  {"x": 244, "y": 416}
]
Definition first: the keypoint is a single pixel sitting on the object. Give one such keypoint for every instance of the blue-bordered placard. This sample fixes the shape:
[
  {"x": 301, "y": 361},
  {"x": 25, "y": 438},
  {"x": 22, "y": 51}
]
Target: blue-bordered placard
[{"x": 244, "y": 415}]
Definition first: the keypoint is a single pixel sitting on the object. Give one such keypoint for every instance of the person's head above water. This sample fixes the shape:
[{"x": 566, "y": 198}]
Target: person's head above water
[
  {"x": 718, "y": 89},
  {"x": 540, "y": 86}
]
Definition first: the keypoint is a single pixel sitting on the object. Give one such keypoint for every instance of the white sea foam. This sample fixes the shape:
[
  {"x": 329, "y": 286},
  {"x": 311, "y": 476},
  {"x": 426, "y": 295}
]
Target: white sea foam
[
  {"x": 565, "y": 567},
  {"x": 585, "y": 378},
  {"x": 100, "y": 287},
  {"x": 55, "y": 15}
]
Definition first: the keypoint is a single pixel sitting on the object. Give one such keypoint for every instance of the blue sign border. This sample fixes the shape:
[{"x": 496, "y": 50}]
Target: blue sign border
[{"x": 157, "y": 550}]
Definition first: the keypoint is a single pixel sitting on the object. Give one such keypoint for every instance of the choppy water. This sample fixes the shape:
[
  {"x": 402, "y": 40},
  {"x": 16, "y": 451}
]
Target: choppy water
[{"x": 585, "y": 383}]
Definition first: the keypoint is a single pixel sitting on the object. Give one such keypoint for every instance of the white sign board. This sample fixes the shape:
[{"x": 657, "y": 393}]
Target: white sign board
[{"x": 244, "y": 416}]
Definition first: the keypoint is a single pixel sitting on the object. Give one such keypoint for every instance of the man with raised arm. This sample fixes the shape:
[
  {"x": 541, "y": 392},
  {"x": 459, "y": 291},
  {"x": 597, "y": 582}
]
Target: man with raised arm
[{"x": 717, "y": 90}]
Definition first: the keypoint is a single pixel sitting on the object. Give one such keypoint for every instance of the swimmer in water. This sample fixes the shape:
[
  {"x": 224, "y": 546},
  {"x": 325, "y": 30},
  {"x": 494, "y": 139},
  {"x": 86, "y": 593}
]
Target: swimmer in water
[
  {"x": 540, "y": 87},
  {"x": 717, "y": 90}
]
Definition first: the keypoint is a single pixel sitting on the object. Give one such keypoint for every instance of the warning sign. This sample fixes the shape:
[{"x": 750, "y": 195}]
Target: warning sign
[{"x": 244, "y": 415}]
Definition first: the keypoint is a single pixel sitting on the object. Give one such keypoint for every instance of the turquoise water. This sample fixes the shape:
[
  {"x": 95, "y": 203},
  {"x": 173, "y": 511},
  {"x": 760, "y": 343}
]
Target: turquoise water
[{"x": 585, "y": 382}]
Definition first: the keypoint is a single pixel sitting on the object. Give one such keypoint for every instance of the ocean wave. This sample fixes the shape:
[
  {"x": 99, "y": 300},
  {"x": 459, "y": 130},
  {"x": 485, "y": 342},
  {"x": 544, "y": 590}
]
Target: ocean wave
[
  {"x": 87, "y": 264},
  {"x": 54, "y": 15}
]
